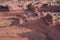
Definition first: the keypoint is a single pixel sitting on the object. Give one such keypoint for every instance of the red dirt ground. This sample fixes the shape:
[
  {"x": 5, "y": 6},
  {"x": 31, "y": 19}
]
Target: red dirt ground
[{"x": 31, "y": 30}]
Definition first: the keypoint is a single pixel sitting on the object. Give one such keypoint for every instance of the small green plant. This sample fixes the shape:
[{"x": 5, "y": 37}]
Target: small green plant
[
  {"x": 1, "y": 0},
  {"x": 58, "y": 1},
  {"x": 4, "y": 0}
]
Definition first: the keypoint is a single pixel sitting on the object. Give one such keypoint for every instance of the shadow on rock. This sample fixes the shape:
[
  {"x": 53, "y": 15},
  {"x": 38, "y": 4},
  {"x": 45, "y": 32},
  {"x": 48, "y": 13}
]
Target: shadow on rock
[{"x": 33, "y": 36}]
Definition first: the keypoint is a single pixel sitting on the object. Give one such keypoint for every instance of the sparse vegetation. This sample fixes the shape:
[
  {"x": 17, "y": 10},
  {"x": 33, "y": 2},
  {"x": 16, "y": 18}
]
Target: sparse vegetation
[
  {"x": 58, "y": 1},
  {"x": 1, "y": 0}
]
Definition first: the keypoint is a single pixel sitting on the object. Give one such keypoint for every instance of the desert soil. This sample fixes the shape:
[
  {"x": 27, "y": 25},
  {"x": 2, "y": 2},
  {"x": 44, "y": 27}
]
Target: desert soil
[{"x": 31, "y": 30}]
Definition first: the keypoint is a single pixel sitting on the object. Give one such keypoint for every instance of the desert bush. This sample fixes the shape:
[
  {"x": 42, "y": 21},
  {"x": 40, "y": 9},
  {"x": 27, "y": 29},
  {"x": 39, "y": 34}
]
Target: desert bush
[{"x": 58, "y": 1}]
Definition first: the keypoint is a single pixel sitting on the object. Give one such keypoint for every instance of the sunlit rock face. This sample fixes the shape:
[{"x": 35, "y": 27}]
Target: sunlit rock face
[
  {"x": 50, "y": 2},
  {"x": 43, "y": 1},
  {"x": 52, "y": 17}
]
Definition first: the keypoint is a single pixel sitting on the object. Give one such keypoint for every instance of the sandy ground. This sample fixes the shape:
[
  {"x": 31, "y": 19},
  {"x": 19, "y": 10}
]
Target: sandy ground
[{"x": 31, "y": 30}]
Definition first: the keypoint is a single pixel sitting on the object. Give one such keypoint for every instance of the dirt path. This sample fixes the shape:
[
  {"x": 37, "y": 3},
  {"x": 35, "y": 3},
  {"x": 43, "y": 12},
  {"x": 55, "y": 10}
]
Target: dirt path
[{"x": 31, "y": 30}]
